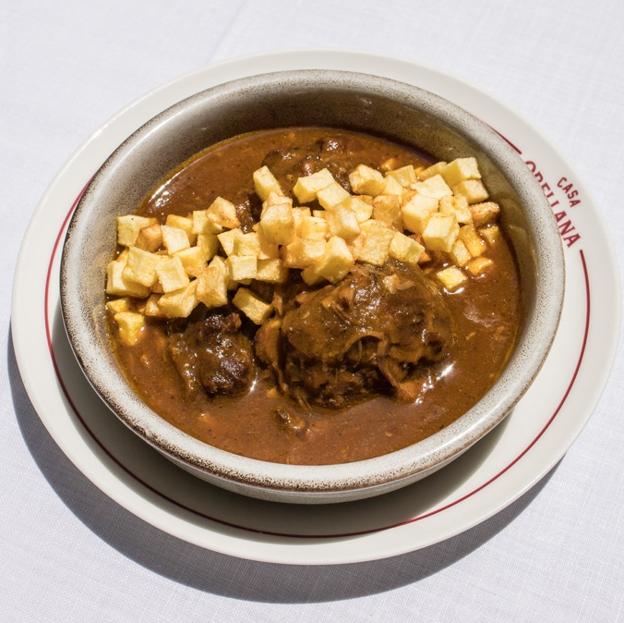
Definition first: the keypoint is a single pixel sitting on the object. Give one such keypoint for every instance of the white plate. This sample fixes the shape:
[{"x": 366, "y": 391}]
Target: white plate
[{"x": 489, "y": 477}]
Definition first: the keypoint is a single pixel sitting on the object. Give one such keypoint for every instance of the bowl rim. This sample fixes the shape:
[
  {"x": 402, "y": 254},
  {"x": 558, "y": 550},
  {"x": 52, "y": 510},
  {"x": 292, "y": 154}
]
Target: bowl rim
[{"x": 403, "y": 464}]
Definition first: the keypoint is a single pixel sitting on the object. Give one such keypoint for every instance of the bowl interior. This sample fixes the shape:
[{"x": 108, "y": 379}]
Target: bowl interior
[{"x": 344, "y": 100}]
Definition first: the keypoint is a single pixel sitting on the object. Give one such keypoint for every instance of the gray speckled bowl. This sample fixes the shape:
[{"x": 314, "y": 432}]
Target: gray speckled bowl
[{"x": 331, "y": 98}]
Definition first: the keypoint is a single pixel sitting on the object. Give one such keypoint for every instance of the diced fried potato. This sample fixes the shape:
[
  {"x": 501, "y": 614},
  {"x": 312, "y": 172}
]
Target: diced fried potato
[
  {"x": 405, "y": 175},
  {"x": 389, "y": 164},
  {"x": 265, "y": 183},
  {"x": 275, "y": 199},
  {"x": 151, "y": 308},
  {"x": 268, "y": 250},
  {"x": 373, "y": 244},
  {"x": 479, "y": 265},
  {"x": 271, "y": 271},
  {"x": 306, "y": 187},
  {"x": 212, "y": 286},
  {"x": 425, "y": 257},
  {"x": 219, "y": 263},
  {"x": 474, "y": 243},
  {"x": 253, "y": 307},
  {"x": 451, "y": 277},
  {"x": 228, "y": 239},
  {"x": 417, "y": 211},
  {"x": 179, "y": 303},
  {"x": 366, "y": 181},
  {"x": 278, "y": 224},
  {"x": 182, "y": 222},
  {"x": 223, "y": 213},
  {"x": 129, "y": 226},
  {"x": 387, "y": 209},
  {"x": 473, "y": 190},
  {"x": 433, "y": 186},
  {"x": 242, "y": 267},
  {"x": 319, "y": 213},
  {"x": 392, "y": 187},
  {"x": 362, "y": 205},
  {"x": 209, "y": 244},
  {"x": 343, "y": 222},
  {"x": 141, "y": 266},
  {"x": 434, "y": 169},
  {"x": 491, "y": 234},
  {"x": 299, "y": 213},
  {"x": 174, "y": 239},
  {"x": 461, "y": 169},
  {"x": 202, "y": 224},
  {"x": 460, "y": 254},
  {"x": 336, "y": 261},
  {"x": 311, "y": 275},
  {"x": 303, "y": 252},
  {"x": 130, "y": 326},
  {"x": 118, "y": 305},
  {"x": 171, "y": 274},
  {"x": 405, "y": 249},
  {"x": 456, "y": 205},
  {"x": 149, "y": 238},
  {"x": 118, "y": 285},
  {"x": 193, "y": 259},
  {"x": 484, "y": 213},
  {"x": 330, "y": 196},
  {"x": 312, "y": 228},
  {"x": 441, "y": 233},
  {"x": 247, "y": 244}
]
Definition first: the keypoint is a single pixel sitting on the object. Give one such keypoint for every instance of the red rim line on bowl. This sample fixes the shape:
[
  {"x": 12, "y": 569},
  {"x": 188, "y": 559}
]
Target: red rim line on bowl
[{"x": 286, "y": 534}]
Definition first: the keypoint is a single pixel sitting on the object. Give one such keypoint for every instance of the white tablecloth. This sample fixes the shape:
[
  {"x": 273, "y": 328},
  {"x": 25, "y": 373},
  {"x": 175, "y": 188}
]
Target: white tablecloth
[{"x": 67, "y": 553}]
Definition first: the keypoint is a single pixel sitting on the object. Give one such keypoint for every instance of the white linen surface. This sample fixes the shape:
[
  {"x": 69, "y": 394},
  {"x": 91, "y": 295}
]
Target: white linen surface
[{"x": 67, "y": 553}]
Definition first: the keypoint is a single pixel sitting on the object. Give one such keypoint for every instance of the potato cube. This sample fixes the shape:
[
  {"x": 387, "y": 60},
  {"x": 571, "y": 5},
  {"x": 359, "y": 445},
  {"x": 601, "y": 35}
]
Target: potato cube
[
  {"x": 312, "y": 228},
  {"x": 336, "y": 261},
  {"x": 209, "y": 244},
  {"x": 181, "y": 222},
  {"x": 202, "y": 224},
  {"x": 278, "y": 224},
  {"x": 174, "y": 239},
  {"x": 271, "y": 271},
  {"x": 417, "y": 212},
  {"x": 242, "y": 267},
  {"x": 212, "y": 286},
  {"x": 474, "y": 243},
  {"x": 405, "y": 249},
  {"x": 151, "y": 308},
  {"x": 451, "y": 277},
  {"x": 473, "y": 190},
  {"x": 223, "y": 213},
  {"x": 274, "y": 200},
  {"x": 193, "y": 259},
  {"x": 389, "y": 164},
  {"x": 434, "y": 186},
  {"x": 265, "y": 183},
  {"x": 366, "y": 181},
  {"x": 171, "y": 274},
  {"x": 373, "y": 245},
  {"x": 228, "y": 240},
  {"x": 306, "y": 187},
  {"x": 118, "y": 305},
  {"x": 456, "y": 205},
  {"x": 461, "y": 169},
  {"x": 404, "y": 176},
  {"x": 330, "y": 196},
  {"x": 299, "y": 213},
  {"x": 479, "y": 265},
  {"x": 130, "y": 326},
  {"x": 392, "y": 187},
  {"x": 441, "y": 233},
  {"x": 311, "y": 275},
  {"x": 141, "y": 266},
  {"x": 129, "y": 226},
  {"x": 301, "y": 252},
  {"x": 460, "y": 254},
  {"x": 387, "y": 209},
  {"x": 219, "y": 263},
  {"x": 319, "y": 213},
  {"x": 362, "y": 206},
  {"x": 484, "y": 213},
  {"x": 179, "y": 303},
  {"x": 268, "y": 250},
  {"x": 247, "y": 244},
  {"x": 253, "y": 307},
  {"x": 434, "y": 169},
  {"x": 149, "y": 238},
  {"x": 343, "y": 222},
  {"x": 491, "y": 234},
  {"x": 118, "y": 285}
]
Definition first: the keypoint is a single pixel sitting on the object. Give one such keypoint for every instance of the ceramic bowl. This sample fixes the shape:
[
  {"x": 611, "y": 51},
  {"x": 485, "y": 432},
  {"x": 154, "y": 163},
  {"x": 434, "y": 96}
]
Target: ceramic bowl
[{"x": 329, "y": 98}]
